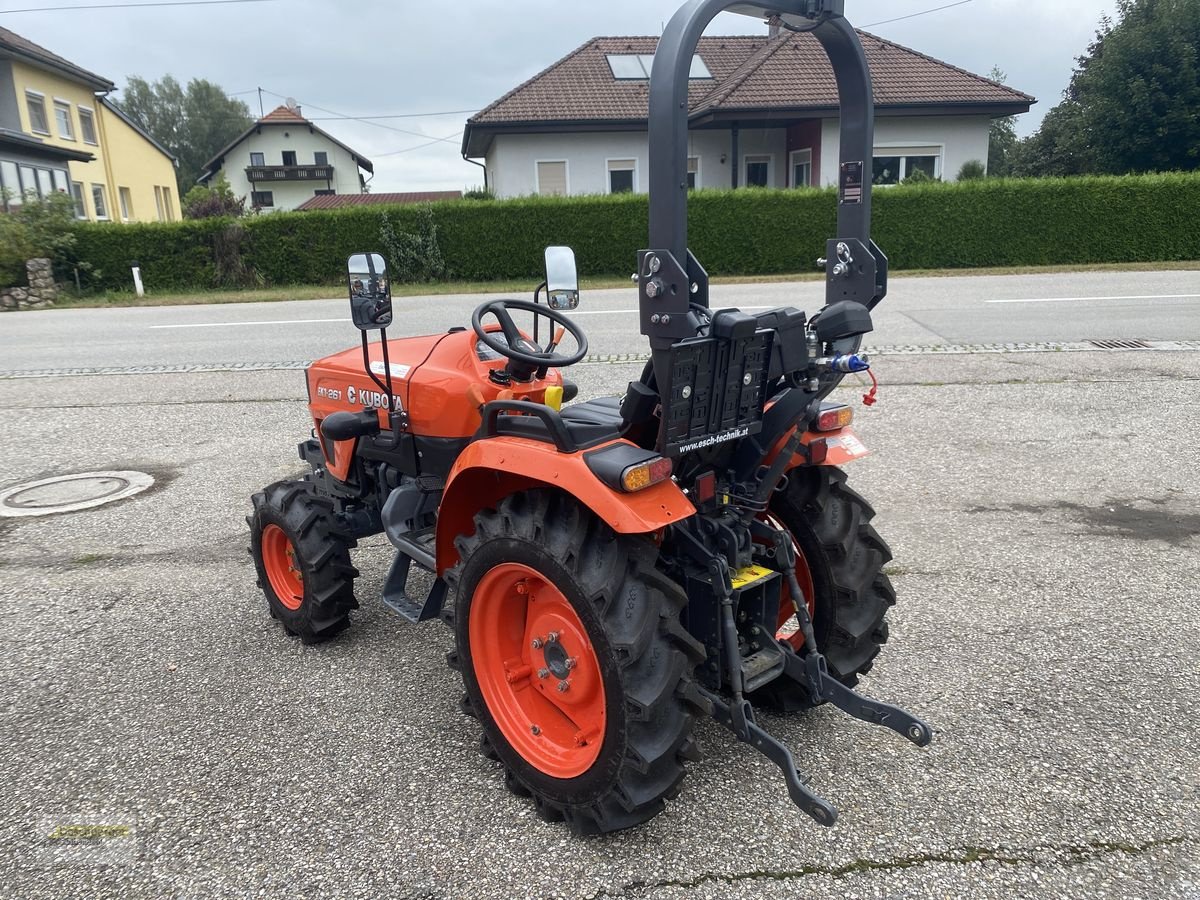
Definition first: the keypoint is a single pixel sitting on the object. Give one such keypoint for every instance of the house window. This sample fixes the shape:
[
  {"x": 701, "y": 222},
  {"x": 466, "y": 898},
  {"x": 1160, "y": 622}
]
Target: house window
[
  {"x": 28, "y": 181},
  {"x": 45, "y": 184},
  {"x": 158, "y": 202},
  {"x": 168, "y": 206},
  {"x": 758, "y": 171},
  {"x": 891, "y": 166},
  {"x": 552, "y": 177},
  {"x": 98, "y": 201},
  {"x": 257, "y": 159},
  {"x": 801, "y": 166},
  {"x": 87, "y": 125},
  {"x": 289, "y": 157},
  {"x": 636, "y": 67},
  {"x": 62, "y": 181},
  {"x": 693, "y": 173},
  {"x": 323, "y": 193},
  {"x": 621, "y": 174},
  {"x": 10, "y": 184},
  {"x": 261, "y": 199},
  {"x": 320, "y": 158},
  {"x": 62, "y": 118},
  {"x": 77, "y": 196},
  {"x": 126, "y": 203},
  {"x": 36, "y": 104}
]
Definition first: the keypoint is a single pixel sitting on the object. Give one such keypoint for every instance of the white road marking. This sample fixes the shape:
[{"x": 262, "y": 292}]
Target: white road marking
[
  {"x": 1076, "y": 299},
  {"x": 345, "y": 319}
]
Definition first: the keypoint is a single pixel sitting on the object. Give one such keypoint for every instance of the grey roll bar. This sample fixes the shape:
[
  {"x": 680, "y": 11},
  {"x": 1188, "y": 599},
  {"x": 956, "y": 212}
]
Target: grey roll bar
[{"x": 857, "y": 269}]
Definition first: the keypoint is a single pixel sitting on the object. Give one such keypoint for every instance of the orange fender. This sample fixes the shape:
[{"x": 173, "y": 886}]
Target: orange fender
[{"x": 491, "y": 469}]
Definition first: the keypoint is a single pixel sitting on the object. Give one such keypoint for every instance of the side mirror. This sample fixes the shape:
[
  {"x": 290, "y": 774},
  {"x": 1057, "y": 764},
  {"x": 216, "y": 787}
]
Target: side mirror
[
  {"x": 370, "y": 292},
  {"x": 562, "y": 281}
]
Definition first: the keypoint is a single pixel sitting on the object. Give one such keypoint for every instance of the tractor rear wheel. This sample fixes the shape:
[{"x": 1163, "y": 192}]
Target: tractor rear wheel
[
  {"x": 574, "y": 662},
  {"x": 302, "y": 555},
  {"x": 839, "y": 566}
]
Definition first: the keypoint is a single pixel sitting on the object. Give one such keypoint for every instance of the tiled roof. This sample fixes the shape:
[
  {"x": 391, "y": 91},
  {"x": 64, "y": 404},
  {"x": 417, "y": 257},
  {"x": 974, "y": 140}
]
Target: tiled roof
[
  {"x": 14, "y": 43},
  {"x": 284, "y": 114},
  {"x": 788, "y": 71},
  {"x": 336, "y": 201}
]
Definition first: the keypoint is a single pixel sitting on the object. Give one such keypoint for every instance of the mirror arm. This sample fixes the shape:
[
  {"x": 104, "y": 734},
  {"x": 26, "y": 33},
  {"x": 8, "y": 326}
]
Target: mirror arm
[{"x": 536, "y": 318}]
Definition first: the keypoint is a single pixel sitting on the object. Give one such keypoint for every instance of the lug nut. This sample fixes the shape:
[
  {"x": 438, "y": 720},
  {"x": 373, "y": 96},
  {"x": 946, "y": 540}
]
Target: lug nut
[
  {"x": 563, "y": 685},
  {"x": 536, "y": 644},
  {"x": 552, "y": 637},
  {"x": 543, "y": 673},
  {"x": 570, "y": 663}
]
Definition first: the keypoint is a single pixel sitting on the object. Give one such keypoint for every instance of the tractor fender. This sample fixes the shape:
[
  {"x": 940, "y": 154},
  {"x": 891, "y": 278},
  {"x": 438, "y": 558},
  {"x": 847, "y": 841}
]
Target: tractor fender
[{"x": 491, "y": 469}]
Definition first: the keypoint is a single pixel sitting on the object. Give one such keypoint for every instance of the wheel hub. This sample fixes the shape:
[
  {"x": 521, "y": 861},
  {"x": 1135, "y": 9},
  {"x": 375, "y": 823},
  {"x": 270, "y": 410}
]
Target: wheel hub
[{"x": 537, "y": 670}]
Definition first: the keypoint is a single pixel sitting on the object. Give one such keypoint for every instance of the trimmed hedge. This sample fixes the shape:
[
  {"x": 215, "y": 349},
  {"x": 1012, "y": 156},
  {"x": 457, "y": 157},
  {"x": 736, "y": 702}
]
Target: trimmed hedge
[{"x": 990, "y": 222}]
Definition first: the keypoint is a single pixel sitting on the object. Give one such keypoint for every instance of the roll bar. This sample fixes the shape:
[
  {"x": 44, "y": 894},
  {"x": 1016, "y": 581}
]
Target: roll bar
[{"x": 856, "y": 269}]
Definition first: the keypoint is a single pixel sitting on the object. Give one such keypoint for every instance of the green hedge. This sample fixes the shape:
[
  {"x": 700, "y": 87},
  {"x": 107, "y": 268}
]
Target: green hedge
[{"x": 745, "y": 232}]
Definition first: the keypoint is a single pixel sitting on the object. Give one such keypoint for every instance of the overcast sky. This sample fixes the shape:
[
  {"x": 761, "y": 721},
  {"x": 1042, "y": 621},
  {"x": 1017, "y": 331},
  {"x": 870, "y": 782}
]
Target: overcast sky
[{"x": 377, "y": 58}]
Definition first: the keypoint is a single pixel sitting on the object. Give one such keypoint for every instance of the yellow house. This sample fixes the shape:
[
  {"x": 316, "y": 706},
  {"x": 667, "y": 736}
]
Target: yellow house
[{"x": 59, "y": 133}]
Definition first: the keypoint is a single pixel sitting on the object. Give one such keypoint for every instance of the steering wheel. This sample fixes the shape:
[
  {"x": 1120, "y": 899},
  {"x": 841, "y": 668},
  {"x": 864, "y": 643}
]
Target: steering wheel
[{"x": 517, "y": 348}]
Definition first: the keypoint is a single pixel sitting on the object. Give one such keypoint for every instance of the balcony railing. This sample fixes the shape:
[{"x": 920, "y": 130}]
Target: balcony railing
[{"x": 288, "y": 173}]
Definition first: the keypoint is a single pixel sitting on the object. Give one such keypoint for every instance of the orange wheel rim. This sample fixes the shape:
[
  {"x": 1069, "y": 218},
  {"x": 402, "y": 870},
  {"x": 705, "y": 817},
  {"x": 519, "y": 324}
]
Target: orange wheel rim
[
  {"x": 787, "y": 628},
  {"x": 283, "y": 571},
  {"x": 537, "y": 670}
]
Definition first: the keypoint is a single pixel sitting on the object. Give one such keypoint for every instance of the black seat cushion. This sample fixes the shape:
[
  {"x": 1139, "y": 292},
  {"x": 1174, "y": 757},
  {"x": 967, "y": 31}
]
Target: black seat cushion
[
  {"x": 601, "y": 411},
  {"x": 587, "y": 423}
]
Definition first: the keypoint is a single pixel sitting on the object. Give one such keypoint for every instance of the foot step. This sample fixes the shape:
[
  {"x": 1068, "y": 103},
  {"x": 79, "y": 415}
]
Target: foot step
[{"x": 761, "y": 667}]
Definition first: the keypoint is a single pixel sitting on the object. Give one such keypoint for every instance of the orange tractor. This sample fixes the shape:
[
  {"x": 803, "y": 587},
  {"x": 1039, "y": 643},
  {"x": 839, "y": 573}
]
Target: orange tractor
[{"x": 614, "y": 568}]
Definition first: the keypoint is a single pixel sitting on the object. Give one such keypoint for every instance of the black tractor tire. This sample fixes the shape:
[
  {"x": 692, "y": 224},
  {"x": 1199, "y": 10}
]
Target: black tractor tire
[
  {"x": 644, "y": 657},
  {"x": 831, "y": 526},
  {"x": 317, "y": 595}
]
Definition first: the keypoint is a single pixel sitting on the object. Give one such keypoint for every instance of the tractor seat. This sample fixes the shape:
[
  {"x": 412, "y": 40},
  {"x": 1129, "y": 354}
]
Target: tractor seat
[{"x": 601, "y": 411}]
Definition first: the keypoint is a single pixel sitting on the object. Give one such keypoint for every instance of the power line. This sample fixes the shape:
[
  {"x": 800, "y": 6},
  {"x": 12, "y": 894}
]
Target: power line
[
  {"x": 334, "y": 112},
  {"x": 922, "y": 13},
  {"x": 130, "y": 5},
  {"x": 448, "y": 138},
  {"x": 448, "y": 112}
]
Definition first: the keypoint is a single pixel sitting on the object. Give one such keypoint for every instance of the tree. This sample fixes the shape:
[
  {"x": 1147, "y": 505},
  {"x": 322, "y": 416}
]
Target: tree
[
  {"x": 194, "y": 124},
  {"x": 36, "y": 228},
  {"x": 204, "y": 201},
  {"x": 1133, "y": 103},
  {"x": 1002, "y": 137}
]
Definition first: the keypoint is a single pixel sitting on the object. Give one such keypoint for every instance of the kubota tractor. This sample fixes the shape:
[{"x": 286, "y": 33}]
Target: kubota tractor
[{"x": 614, "y": 568}]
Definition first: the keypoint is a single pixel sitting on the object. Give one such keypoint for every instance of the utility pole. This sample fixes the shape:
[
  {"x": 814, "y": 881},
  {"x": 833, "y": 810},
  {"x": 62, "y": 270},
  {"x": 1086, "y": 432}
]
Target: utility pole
[{"x": 260, "y": 106}]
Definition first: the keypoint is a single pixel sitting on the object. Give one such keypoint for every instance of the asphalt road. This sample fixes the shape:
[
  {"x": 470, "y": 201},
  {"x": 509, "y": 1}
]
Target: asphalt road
[
  {"x": 1044, "y": 510},
  {"x": 925, "y": 312}
]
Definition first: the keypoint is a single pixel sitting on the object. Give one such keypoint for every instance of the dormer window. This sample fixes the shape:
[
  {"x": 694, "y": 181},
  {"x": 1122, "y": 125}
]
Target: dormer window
[{"x": 636, "y": 67}]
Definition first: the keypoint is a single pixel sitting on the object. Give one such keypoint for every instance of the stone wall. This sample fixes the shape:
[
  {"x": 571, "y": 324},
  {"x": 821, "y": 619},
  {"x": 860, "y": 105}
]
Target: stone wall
[{"x": 42, "y": 290}]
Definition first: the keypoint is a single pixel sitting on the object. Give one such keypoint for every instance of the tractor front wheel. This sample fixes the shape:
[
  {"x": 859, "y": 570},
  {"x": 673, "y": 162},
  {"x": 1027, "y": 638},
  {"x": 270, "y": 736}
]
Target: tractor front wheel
[
  {"x": 574, "y": 662},
  {"x": 839, "y": 566},
  {"x": 302, "y": 556}
]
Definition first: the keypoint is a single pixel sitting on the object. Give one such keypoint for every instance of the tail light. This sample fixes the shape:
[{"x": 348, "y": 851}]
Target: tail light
[
  {"x": 833, "y": 418},
  {"x": 643, "y": 475}
]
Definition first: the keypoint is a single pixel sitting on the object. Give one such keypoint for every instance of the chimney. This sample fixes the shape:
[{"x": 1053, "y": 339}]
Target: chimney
[{"x": 774, "y": 26}]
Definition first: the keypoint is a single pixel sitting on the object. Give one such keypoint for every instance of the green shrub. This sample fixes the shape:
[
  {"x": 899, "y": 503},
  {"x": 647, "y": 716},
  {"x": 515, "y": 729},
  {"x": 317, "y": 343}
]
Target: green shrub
[
  {"x": 971, "y": 170},
  {"x": 36, "y": 229},
  {"x": 983, "y": 222}
]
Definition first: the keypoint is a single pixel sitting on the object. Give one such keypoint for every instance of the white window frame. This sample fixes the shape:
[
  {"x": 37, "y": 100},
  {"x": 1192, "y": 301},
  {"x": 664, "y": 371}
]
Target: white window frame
[
  {"x": 91, "y": 115},
  {"x": 104, "y": 202},
  {"x": 770, "y": 158},
  {"x": 608, "y": 171},
  {"x": 168, "y": 204},
  {"x": 64, "y": 105},
  {"x": 125, "y": 200},
  {"x": 80, "y": 203},
  {"x": 792, "y": 154},
  {"x": 262, "y": 156},
  {"x": 41, "y": 99},
  {"x": 537, "y": 181},
  {"x": 939, "y": 167},
  {"x": 686, "y": 173}
]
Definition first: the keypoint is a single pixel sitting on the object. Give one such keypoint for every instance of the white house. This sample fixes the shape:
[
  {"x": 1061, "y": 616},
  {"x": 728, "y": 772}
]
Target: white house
[
  {"x": 764, "y": 112},
  {"x": 283, "y": 159}
]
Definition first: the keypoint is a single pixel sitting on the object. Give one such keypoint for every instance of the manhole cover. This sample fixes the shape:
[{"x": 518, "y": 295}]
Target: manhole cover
[{"x": 69, "y": 493}]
